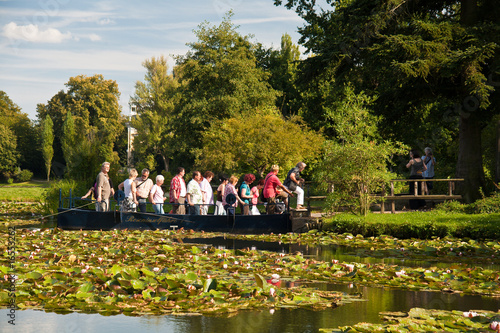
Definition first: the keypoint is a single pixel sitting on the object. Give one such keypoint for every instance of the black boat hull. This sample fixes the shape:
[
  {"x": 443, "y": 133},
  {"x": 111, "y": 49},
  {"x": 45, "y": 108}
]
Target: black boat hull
[{"x": 81, "y": 219}]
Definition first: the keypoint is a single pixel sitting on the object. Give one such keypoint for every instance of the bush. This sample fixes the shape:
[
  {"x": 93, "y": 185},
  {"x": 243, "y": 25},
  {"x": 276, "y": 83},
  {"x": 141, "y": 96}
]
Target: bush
[
  {"x": 486, "y": 205},
  {"x": 451, "y": 206},
  {"x": 52, "y": 198},
  {"x": 24, "y": 176},
  {"x": 10, "y": 181}
]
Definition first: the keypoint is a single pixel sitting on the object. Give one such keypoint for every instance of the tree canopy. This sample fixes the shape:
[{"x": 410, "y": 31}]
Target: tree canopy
[
  {"x": 421, "y": 59},
  {"x": 251, "y": 144}
]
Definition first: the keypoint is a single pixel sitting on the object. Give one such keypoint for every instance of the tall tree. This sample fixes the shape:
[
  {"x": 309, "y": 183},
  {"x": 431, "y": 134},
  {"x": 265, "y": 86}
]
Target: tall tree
[
  {"x": 155, "y": 100},
  {"x": 421, "y": 59},
  {"x": 219, "y": 79},
  {"x": 47, "y": 144},
  {"x": 282, "y": 66},
  {"x": 93, "y": 104},
  {"x": 8, "y": 151},
  {"x": 25, "y": 131}
]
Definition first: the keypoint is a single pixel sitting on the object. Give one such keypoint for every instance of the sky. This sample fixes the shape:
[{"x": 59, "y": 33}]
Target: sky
[{"x": 45, "y": 42}]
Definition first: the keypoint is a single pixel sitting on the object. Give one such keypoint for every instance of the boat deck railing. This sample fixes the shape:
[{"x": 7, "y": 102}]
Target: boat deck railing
[{"x": 74, "y": 202}]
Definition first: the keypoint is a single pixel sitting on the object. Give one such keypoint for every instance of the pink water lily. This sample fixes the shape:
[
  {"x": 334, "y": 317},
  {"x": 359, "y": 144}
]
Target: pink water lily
[
  {"x": 495, "y": 325},
  {"x": 400, "y": 273}
]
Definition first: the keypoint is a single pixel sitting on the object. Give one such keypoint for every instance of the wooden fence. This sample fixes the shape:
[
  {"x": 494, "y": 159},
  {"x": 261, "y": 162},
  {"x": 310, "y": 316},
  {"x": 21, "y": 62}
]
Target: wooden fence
[{"x": 392, "y": 197}]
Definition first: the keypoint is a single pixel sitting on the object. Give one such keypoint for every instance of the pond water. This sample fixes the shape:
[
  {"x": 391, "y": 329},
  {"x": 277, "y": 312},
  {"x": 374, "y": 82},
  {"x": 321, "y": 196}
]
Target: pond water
[
  {"x": 374, "y": 300},
  {"x": 371, "y": 301}
]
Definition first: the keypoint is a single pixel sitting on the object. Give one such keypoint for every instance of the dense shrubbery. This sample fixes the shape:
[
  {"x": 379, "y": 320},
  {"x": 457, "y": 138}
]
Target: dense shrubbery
[
  {"x": 23, "y": 176},
  {"x": 487, "y": 205},
  {"x": 52, "y": 198}
]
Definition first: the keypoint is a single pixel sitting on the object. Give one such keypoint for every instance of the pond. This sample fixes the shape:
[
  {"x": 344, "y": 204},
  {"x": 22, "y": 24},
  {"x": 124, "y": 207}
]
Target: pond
[
  {"x": 374, "y": 300},
  {"x": 370, "y": 301},
  {"x": 322, "y": 252}
]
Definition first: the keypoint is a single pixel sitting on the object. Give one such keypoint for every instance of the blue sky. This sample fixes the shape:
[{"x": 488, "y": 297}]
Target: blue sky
[{"x": 45, "y": 42}]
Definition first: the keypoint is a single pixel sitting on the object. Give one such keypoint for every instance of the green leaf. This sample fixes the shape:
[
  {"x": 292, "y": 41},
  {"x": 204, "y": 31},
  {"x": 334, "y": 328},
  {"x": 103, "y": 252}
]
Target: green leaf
[{"x": 209, "y": 284}]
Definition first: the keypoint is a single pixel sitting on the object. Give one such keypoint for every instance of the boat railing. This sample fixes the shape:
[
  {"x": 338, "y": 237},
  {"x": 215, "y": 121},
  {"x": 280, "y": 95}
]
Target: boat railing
[{"x": 72, "y": 202}]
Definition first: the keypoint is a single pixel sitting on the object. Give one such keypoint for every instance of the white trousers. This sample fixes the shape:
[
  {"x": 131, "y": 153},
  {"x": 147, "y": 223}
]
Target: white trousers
[{"x": 300, "y": 195}]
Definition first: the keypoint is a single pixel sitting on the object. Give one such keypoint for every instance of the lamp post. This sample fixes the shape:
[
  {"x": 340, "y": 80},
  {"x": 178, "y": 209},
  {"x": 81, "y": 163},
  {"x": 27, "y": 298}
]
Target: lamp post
[{"x": 133, "y": 113}]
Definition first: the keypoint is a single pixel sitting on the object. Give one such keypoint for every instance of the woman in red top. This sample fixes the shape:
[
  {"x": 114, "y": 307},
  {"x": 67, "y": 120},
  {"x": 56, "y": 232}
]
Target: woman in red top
[{"x": 271, "y": 189}]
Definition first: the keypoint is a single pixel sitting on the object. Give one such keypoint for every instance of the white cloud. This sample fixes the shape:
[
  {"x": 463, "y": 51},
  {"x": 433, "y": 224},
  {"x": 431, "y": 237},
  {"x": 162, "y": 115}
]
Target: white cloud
[
  {"x": 94, "y": 37},
  {"x": 32, "y": 33}
]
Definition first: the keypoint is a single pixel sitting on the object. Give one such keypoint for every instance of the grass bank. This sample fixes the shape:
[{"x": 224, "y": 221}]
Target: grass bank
[
  {"x": 423, "y": 225},
  {"x": 32, "y": 191}
]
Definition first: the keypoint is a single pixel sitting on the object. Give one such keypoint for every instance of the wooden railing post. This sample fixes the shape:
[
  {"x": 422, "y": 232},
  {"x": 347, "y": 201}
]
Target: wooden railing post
[
  {"x": 382, "y": 204},
  {"x": 393, "y": 203}
]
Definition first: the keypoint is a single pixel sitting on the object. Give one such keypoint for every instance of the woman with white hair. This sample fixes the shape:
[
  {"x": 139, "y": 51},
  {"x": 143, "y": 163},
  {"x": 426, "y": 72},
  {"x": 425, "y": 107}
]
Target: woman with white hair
[{"x": 156, "y": 195}]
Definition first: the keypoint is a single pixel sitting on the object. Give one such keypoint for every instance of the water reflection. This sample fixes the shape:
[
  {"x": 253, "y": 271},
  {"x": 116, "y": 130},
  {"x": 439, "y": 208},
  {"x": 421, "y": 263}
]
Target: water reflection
[{"x": 375, "y": 300}]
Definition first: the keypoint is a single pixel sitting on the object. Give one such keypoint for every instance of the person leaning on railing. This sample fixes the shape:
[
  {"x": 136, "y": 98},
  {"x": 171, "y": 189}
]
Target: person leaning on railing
[{"x": 272, "y": 186}]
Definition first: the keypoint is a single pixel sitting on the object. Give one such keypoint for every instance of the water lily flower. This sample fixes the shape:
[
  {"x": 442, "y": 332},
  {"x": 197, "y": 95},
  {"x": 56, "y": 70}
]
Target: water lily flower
[
  {"x": 350, "y": 267},
  {"x": 92, "y": 255},
  {"x": 495, "y": 325},
  {"x": 470, "y": 314},
  {"x": 335, "y": 261},
  {"x": 30, "y": 257},
  {"x": 84, "y": 271},
  {"x": 351, "y": 285},
  {"x": 400, "y": 273},
  {"x": 272, "y": 292},
  {"x": 156, "y": 269},
  {"x": 100, "y": 259},
  {"x": 349, "y": 237},
  {"x": 248, "y": 265},
  {"x": 224, "y": 266},
  {"x": 449, "y": 271},
  {"x": 271, "y": 311},
  {"x": 236, "y": 262},
  {"x": 105, "y": 248}
]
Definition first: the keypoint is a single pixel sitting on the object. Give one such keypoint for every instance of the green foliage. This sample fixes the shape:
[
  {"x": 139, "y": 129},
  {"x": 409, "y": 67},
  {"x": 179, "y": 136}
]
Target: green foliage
[
  {"x": 25, "y": 132},
  {"x": 253, "y": 143},
  {"x": 429, "y": 66},
  {"x": 8, "y": 150},
  {"x": 219, "y": 79},
  {"x": 487, "y": 205},
  {"x": 91, "y": 105},
  {"x": 155, "y": 100},
  {"x": 51, "y": 202},
  {"x": 47, "y": 144},
  {"x": 355, "y": 167},
  {"x": 282, "y": 65},
  {"x": 23, "y": 176},
  {"x": 418, "y": 225}
]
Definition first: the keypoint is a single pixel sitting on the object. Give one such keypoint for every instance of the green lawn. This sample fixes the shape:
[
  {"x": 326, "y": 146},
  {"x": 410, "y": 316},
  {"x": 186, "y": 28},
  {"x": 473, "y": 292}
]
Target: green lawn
[{"x": 32, "y": 191}]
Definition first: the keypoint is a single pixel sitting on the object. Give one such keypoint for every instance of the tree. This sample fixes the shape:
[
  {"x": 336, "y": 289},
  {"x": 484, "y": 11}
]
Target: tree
[
  {"x": 47, "y": 144},
  {"x": 251, "y": 144},
  {"x": 354, "y": 165},
  {"x": 421, "y": 59},
  {"x": 95, "y": 112},
  {"x": 282, "y": 66},
  {"x": 8, "y": 150},
  {"x": 25, "y": 131},
  {"x": 219, "y": 80},
  {"x": 155, "y": 100}
]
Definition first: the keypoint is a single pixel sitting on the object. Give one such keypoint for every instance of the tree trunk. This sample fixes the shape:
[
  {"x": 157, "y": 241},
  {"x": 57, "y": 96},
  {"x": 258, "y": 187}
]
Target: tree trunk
[
  {"x": 166, "y": 163},
  {"x": 470, "y": 160},
  {"x": 497, "y": 174}
]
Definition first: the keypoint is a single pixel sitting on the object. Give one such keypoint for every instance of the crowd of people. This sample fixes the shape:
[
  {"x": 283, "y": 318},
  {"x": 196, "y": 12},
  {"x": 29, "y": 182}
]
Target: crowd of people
[{"x": 197, "y": 196}]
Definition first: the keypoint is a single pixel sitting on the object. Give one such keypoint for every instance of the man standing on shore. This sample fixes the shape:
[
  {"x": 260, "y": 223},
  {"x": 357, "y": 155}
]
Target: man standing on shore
[
  {"x": 143, "y": 186},
  {"x": 103, "y": 188}
]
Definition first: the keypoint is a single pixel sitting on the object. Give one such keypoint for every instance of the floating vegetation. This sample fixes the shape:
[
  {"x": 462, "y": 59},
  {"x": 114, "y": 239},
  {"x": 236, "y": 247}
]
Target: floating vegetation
[
  {"x": 422, "y": 320},
  {"x": 137, "y": 273},
  {"x": 452, "y": 250}
]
